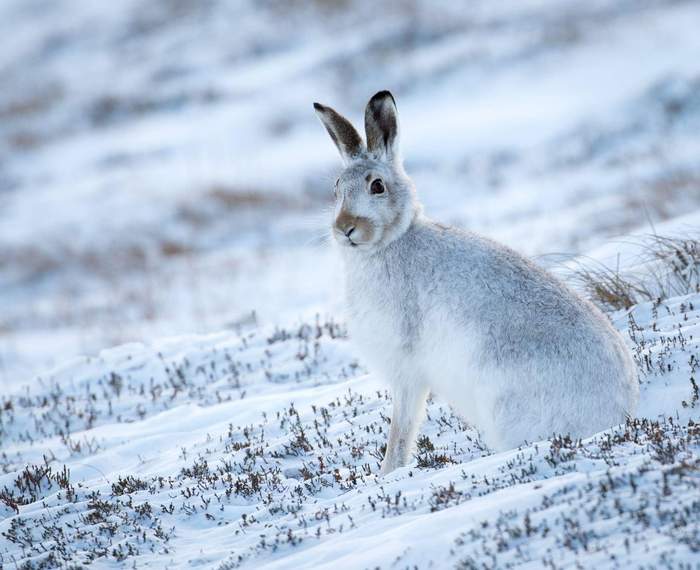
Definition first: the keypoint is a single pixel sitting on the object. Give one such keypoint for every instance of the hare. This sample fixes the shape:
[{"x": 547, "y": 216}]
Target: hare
[{"x": 437, "y": 309}]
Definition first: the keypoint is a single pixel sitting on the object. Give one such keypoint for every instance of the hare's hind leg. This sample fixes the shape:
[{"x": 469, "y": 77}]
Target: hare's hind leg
[{"x": 406, "y": 417}]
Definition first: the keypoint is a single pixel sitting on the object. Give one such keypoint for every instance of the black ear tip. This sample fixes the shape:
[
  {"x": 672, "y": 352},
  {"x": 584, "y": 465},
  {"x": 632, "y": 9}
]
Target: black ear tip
[
  {"x": 319, "y": 107},
  {"x": 380, "y": 95}
]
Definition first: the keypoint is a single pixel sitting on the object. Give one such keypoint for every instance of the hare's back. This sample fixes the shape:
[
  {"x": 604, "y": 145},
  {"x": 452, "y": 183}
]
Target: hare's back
[
  {"x": 535, "y": 353},
  {"x": 486, "y": 286}
]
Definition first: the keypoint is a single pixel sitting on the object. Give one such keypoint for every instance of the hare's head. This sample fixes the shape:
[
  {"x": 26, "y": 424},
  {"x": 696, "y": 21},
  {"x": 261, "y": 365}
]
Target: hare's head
[{"x": 375, "y": 200}]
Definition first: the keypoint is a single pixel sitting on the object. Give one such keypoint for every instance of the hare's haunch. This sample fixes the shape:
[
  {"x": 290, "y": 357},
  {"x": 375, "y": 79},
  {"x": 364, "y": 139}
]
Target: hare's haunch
[{"x": 433, "y": 308}]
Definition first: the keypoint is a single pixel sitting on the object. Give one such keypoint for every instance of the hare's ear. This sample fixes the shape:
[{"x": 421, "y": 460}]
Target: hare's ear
[
  {"x": 344, "y": 135},
  {"x": 382, "y": 126}
]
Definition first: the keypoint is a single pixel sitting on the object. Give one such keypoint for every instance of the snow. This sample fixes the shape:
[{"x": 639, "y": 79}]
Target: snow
[
  {"x": 262, "y": 448},
  {"x": 171, "y": 323}
]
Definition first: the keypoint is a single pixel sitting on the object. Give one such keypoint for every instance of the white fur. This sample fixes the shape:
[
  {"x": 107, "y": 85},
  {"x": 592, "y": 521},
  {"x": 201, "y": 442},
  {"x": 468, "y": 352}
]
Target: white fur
[{"x": 436, "y": 309}]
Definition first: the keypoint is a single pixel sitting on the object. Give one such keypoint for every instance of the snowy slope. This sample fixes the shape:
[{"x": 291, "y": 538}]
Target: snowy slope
[
  {"x": 163, "y": 176},
  {"x": 166, "y": 159},
  {"x": 237, "y": 450}
]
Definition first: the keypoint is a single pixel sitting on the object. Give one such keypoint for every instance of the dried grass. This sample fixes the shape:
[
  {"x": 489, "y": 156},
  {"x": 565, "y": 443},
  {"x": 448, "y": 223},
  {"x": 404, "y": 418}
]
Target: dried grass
[{"x": 668, "y": 267}]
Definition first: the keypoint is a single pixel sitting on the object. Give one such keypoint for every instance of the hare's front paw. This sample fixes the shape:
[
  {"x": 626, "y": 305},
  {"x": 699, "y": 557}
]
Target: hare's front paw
[{"x": 388, "y": 466}]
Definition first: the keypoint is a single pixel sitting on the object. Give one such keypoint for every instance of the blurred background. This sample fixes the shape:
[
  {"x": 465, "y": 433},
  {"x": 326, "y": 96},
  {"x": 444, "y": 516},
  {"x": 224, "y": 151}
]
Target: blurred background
[{"x": 162, "y": 170}]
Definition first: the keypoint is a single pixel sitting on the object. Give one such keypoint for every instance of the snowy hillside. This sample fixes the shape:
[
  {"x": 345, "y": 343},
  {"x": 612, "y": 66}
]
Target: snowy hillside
[
  {"x": 162, "y": 170},
  {"x": 176, "y": 383},
  {"x": 234, "y": 450}
]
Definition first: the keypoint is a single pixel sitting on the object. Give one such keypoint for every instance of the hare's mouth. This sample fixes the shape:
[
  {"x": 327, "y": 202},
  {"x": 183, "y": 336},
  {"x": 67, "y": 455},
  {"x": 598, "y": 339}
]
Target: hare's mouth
[
  {"x": 355, "y": 237},
  {"x": 345, "y": 240}
]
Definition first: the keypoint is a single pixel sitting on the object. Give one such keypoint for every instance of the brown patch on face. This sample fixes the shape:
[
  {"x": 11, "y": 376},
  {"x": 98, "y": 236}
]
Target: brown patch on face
[{"x": 357, "y": 229}]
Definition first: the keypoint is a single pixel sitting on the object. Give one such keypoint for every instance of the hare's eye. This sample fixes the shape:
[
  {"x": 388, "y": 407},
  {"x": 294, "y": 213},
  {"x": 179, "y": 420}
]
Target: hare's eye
[
  {"x": 377, "y": 187},
  {"x": 335, "y": 188}
]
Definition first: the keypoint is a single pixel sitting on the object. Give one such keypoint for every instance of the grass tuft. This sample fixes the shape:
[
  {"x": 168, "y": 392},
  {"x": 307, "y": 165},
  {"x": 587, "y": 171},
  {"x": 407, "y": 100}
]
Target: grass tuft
[{"x": 668, "y": 267}]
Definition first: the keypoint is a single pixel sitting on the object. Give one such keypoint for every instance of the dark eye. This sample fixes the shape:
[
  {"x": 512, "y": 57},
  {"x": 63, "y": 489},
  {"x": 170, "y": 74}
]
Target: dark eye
[
  {"x": 335, "y": 188},
  {"x": 377, "y": 187}
]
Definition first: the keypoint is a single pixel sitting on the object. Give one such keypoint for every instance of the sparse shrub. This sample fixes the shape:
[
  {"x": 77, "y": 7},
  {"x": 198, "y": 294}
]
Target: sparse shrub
[
  {"x": 428, "y": 457},
  {"x": 445, "y": 497},
  {"x": 36, "y": 482},
  {"x": 127, "y": 485},
  {"x": 562, "y": 449},
  {"x": 695, "y": 395}
]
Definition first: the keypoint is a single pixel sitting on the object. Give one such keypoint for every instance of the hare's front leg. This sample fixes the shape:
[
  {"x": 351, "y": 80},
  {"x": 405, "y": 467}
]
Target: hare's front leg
[{"x": 407, "y": 415}]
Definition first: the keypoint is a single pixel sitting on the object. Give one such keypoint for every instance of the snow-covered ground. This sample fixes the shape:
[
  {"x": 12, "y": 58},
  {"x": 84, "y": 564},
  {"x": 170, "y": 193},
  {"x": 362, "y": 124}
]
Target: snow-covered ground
[
  {"x": 164, "y": 183},
  {"x": 262, "y": 448}
]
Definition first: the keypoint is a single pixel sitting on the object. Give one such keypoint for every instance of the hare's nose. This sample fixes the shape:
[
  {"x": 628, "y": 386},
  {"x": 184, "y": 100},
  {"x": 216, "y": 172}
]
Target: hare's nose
[{"x": 346, "y": 223}]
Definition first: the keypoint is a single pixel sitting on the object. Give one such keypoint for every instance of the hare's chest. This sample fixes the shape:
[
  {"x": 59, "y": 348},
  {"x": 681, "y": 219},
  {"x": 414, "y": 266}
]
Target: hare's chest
[{"x": 376, "y": 322}]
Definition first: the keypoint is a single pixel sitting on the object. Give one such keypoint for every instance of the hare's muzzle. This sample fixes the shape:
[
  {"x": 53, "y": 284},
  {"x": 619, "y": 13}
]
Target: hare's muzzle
[{"x": 352, "y": 230}]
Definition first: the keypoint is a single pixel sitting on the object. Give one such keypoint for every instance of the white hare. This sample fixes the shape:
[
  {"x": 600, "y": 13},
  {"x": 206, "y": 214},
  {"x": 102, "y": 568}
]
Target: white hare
[{"x": 433, "y": 308}]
